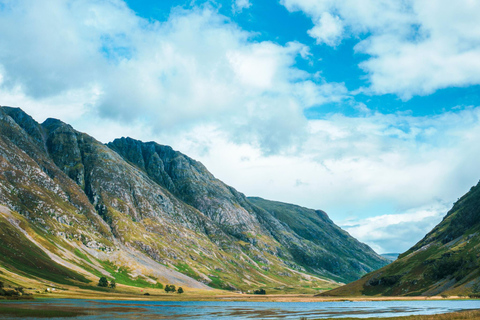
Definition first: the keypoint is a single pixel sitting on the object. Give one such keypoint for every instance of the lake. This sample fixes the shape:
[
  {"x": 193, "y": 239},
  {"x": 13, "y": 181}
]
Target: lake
[{"x": 207, "y": 310}]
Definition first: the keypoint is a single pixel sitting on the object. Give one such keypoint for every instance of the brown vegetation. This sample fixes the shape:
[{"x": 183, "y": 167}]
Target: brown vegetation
[{"x": 467, "y": 315}]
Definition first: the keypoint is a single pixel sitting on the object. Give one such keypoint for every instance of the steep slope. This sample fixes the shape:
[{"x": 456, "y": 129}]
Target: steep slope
[
  {"x": 55, "y": 216},
  {"x": 146, "y": 214},
  {"x": 446, "y": 261},
  {"x": 319, "y": 243}
]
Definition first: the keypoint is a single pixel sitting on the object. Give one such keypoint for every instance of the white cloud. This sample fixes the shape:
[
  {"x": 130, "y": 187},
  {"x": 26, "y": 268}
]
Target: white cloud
[
  {"x": 396, "y": 233},
  {"x": 195, "y": 68},
  {"x": 416, "y": 47},
  {"x": 328, "y": 30},
  {"x": 239, "y": 5}
]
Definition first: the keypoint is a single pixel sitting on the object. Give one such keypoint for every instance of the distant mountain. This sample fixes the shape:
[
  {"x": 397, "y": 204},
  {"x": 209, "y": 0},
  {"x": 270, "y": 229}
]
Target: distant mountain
[
  {"x": 145, "y": 214},
  {"x": 317, "y": 243},
  {"x": 446, "y": 261},
  {"x": 390, "y": 256}
]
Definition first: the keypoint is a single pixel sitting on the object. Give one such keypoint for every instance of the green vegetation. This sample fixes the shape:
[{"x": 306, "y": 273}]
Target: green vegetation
[
  {"x": 103, "y": 282},
  {"x": 18, "y": 254},
  {"x": 260, "y": 291},
  {"x": 180, "y": 290},
  {"x": 121, "y": 275},
  {"x": 461, "y": 315},
  {"x": 185, "y": 269},
  {"x": 81, "y": 255},
  {"x": 170, "y": 288},
  {"x": 13, "y": 293}
]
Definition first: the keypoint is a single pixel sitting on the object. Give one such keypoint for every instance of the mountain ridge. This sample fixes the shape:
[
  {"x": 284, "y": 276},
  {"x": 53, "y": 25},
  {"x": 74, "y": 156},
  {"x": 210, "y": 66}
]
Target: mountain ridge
[{"x": 140, "y": 201}]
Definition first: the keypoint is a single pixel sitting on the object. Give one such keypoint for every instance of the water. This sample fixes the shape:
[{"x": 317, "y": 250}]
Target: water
[{"x": 207, "y": 310}]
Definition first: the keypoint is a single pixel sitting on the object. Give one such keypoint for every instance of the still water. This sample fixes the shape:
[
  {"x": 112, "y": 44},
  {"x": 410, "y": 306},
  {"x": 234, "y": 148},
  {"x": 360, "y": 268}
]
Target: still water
[{"x": 207, "y": 310}]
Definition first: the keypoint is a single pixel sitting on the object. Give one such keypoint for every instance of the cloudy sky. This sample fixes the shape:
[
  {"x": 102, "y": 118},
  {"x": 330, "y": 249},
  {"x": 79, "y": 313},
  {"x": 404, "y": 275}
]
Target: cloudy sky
[{"x": 366, "y": 109}]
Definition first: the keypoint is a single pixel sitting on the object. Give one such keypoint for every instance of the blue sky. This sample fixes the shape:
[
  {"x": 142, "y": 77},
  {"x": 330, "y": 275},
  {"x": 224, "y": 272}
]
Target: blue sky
[
  {"x": 271, "y": 21},
  {"x": 365, "y": 109}
]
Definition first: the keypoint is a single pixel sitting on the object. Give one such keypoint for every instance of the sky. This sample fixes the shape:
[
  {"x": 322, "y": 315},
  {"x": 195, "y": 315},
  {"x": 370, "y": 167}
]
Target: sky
[{"x": 368, "y": 110}]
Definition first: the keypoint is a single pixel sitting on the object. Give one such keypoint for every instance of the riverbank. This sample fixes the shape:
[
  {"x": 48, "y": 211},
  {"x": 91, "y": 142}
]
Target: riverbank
[
  {"x": 129, "y": 293},
  {"x": 217, "y": 295}
]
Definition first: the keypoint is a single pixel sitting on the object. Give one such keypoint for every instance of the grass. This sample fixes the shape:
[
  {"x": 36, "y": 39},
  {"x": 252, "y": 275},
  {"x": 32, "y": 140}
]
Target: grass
[
  {"x": 17, "y": 253},
  {"x": 81, "y": 255},
  {"x": 121, "y": 275},
  {"x": 462, "y": 315},
  {"x": 185, "y": 269}
]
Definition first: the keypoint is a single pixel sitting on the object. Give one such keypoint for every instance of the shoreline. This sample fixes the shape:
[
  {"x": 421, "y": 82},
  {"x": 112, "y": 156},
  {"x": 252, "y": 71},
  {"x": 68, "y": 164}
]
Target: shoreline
[{"x": 285, "y": 298}]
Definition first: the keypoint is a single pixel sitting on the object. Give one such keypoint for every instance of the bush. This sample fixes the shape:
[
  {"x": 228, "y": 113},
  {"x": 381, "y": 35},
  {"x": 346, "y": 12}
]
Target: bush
[
  {"x": 170, "y": 288},
  {"x": 103, "y": 282},
  {"x": 180, "y": 290},
  {"x": 260, "y": 291},
  {"x": 113, "y": 284}
]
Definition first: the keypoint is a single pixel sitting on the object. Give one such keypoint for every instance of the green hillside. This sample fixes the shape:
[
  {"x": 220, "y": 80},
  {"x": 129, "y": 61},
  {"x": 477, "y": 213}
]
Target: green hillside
[{"x": 446, "y": 261}]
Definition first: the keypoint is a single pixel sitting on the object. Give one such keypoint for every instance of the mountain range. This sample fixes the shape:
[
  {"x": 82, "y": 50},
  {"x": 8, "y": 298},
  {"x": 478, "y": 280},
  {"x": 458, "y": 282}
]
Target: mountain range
[{"x": 73, "y": 209}]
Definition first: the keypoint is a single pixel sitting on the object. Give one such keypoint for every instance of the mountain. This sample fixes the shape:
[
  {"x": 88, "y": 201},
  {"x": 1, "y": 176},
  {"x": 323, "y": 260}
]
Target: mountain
[
  {"x": 147, "y": 215},
  {"x": 446, "y": 261}
]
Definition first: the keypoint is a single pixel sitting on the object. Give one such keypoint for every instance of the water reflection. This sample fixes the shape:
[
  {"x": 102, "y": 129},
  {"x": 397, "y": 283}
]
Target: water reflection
[{"x": 146, "y": 310}]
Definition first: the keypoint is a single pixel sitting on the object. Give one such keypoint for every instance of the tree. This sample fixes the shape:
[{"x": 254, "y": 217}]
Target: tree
[
  {"x": 113, "y": 284},
  {"x": 180, "y": 290},
  {"x": 103, "y": 282},
  {"x": 170, "y": 288},
  {"x": 260, "y": 291},
  {"x": 1, "y": 285}
]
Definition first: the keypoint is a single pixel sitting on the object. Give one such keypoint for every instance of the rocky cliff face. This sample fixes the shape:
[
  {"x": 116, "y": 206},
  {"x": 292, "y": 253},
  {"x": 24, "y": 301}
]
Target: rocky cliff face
[
  {"x": 158, "y": 214},
  {"x": 446, "y": 261}
]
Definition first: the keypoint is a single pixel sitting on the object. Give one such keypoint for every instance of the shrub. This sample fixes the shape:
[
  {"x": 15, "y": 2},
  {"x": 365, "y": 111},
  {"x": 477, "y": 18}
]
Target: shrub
[
  {"x": 103, "y": 282},
  {"x": 260, "y": 291},
  {"x": 170, "y": 288},
  {"x": 180, "y": 290}
]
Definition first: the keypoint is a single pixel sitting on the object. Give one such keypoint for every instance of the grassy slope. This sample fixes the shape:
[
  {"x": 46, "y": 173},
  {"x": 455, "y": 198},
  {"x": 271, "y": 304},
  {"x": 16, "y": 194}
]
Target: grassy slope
[
  {"x": 446, "y": 261},
  {"x": 20, "y": 255}
]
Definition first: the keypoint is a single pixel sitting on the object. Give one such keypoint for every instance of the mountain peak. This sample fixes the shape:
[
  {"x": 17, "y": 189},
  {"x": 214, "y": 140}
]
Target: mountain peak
[{"x": 52, "y": 124}]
